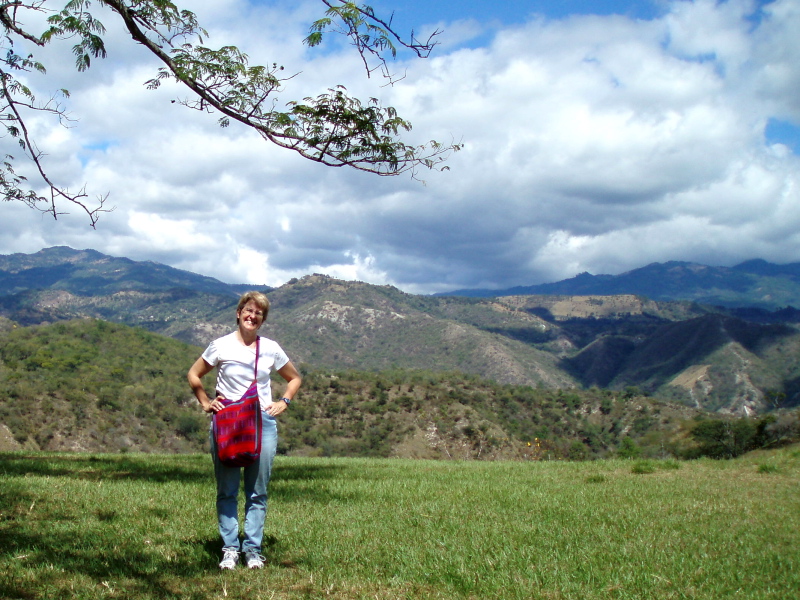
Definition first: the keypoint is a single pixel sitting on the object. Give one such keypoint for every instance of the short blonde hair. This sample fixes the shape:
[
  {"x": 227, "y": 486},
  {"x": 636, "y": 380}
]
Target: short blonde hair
[{"x": 257, "y": 297}]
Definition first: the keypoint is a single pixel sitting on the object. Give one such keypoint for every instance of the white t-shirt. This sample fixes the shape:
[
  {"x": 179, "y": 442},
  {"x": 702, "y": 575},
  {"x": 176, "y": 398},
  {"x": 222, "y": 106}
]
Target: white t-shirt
[{"x": 236, "y": 366}]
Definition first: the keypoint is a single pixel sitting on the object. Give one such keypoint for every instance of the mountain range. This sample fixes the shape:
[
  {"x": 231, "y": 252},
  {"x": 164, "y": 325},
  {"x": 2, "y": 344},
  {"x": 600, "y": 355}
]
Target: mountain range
[
  {"x": 741, "y": 358},
  {"x": 754, "y": 283},
  {"x": 90, "y": 273}
]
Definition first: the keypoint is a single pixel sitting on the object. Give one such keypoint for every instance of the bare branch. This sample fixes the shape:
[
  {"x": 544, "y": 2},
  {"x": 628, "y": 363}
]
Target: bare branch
[
  {"x": 10, "y": 22},
  {"x": 28, "y": 145},
  {"x": 371, "y": 35}
]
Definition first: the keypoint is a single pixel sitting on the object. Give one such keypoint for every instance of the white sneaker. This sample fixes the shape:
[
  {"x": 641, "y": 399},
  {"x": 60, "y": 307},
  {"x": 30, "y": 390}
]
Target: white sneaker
[
  {"x": 230, "y": 558},
  {"x": 254, "y": 560}
]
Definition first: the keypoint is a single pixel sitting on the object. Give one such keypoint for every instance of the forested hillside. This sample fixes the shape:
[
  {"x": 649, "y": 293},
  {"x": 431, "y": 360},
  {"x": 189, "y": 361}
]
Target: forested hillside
[
  {"x": 743, "y": 361},
  {"x": 93, "y": 386}
]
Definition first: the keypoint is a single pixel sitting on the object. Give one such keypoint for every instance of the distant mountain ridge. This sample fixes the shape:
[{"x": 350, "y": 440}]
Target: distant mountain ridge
[
  {"x": 754, "y": 283},
  {"x": 91, "y": 273}
]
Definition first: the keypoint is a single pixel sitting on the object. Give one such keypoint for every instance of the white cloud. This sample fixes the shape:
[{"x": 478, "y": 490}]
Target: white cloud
[{"x": 591, "y": 144}]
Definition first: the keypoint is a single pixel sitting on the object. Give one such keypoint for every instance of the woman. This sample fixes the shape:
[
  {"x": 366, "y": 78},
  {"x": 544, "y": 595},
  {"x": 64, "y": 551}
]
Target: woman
[{"x": 234, "y": 355}]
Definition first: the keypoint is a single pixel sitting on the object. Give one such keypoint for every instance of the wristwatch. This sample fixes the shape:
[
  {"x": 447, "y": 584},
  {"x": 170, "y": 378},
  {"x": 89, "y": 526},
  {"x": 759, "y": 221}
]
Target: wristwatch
[{"x": 285, "y": 399}]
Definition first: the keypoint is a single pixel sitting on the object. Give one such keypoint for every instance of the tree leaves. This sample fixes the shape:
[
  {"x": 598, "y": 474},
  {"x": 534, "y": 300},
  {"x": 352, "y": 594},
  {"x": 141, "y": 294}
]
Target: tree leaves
[
  {"x": 74, "y": 21},
  {"x": 334, "y": 128}
]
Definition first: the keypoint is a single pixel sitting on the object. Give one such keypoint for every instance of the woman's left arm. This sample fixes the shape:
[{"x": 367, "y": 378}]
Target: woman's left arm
[{"x": 293, "y": 381}]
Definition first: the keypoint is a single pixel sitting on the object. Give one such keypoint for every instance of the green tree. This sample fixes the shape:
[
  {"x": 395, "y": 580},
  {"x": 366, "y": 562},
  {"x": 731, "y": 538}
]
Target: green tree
[
  {"x": 724, "y": 438},
  {"x": 334, "y": 128},
  {"x": 577, "y": 451},
  {"x": 629, "y": 449}
]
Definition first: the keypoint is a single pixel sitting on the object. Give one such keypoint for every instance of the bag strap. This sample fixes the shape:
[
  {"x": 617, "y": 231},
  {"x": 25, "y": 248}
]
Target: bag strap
[{"x": 255, "y": 373}]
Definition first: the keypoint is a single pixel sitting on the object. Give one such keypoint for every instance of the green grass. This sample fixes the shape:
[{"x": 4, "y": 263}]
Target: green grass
[{"x": 143, "y": 526}]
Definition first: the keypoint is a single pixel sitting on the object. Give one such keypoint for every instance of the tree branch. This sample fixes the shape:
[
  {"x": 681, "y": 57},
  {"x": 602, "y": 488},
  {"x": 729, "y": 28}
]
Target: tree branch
[
  {"x": 333, "y": 129},
  {"x": 222, "y": 79}
]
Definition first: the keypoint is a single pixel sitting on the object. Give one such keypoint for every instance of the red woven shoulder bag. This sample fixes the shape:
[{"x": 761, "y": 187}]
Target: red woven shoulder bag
[{"x": 237, "y": 427}]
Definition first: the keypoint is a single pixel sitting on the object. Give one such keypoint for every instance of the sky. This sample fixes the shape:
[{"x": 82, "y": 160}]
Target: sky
[{"x": 598, "y": 137}]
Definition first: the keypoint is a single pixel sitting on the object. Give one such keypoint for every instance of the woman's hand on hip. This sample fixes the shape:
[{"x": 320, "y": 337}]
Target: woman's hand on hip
[
  {"x": 215, "y": 405},
  {"x": 276, "y": 408}
]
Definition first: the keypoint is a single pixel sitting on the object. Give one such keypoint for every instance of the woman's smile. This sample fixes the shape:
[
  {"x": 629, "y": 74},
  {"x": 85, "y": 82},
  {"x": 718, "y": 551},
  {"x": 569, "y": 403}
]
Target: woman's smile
[{"x": 251, "y": 315}]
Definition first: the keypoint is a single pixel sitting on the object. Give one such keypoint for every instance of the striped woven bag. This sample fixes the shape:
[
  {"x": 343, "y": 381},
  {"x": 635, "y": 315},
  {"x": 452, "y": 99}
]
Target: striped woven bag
[{"x": 237, "y": 427}]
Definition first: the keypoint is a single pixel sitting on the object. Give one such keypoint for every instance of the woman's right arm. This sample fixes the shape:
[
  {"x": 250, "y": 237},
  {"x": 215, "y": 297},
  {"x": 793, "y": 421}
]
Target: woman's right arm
[{"x": 200, "y": 369}]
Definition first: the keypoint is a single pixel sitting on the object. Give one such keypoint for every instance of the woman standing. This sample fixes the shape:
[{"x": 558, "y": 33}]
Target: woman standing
[{"x": 234, "y": 355}]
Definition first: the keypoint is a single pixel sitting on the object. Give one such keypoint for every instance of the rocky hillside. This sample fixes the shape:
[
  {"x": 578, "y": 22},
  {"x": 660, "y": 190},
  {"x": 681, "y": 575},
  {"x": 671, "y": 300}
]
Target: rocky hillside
[{"x": 741, "y": 361}]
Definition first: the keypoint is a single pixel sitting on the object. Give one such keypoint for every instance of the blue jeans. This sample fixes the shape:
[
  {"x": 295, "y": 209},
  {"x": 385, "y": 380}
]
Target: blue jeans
[{"x": 256, "y": 479}]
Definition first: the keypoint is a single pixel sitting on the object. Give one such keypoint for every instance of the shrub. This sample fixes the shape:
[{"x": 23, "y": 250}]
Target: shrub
[
  {"x": 577, "y": 451},
  {"x": 189, "y": 424},
  {"x": 723, "y": 439},
  {"x": 629, "y": 449},
  {"x": 784, "y": 429}
]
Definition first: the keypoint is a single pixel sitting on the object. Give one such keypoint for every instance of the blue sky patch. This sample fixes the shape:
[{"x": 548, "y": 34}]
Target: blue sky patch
[{"x": 783, "y": 132}]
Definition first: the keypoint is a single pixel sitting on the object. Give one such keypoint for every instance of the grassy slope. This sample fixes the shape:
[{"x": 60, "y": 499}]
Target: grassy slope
[{"x": 143, "y": 527}]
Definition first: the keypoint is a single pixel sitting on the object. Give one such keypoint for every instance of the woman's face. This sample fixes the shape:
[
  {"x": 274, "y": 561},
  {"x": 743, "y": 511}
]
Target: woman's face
[{"x": 250, "y": 317}]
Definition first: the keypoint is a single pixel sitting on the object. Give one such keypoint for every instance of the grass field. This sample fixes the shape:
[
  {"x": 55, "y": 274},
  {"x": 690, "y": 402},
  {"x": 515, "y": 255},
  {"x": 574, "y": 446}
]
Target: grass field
[{"x": 143, "y": 527}]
